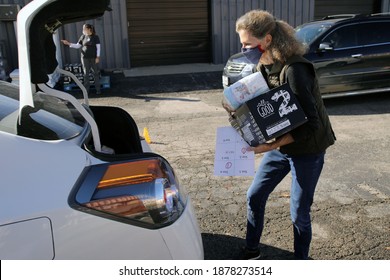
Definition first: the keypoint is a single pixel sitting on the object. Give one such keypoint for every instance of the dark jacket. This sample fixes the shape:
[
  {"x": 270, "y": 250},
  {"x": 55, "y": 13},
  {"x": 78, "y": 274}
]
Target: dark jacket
[
  {"x": 316, "y": 135},
  {"x": 89, "y": 43}
]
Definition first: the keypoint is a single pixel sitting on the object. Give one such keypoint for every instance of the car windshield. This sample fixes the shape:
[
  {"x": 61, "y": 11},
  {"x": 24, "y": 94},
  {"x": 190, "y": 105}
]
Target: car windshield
[
  {"x": 307, "y": 33},
  {"x": 51, "y": 119}
]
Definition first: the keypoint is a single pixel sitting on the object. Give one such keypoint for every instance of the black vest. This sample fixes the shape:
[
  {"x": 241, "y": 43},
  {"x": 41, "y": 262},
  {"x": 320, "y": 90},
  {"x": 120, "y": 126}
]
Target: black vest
[{"x": 321, "y": 138}]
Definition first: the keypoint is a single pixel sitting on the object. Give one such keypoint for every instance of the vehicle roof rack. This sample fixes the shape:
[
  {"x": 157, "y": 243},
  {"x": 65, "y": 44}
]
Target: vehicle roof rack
[{"x": 340, "y": 16}]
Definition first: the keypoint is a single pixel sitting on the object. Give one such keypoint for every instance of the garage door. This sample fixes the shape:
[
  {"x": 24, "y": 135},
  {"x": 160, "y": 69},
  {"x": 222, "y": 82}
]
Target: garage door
[
  {"x": 334, "y": 7},
  {"x": 164, "y": 32}
]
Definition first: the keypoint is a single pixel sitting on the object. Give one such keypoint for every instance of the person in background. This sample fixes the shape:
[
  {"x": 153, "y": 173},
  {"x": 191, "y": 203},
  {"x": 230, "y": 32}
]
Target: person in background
[
  {"x": 302, "y": 150},
  {"x": 89, "y": 43}
]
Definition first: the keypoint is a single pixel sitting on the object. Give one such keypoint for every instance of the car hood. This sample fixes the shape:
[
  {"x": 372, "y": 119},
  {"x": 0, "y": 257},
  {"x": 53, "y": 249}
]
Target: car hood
[{"x": 36, "y": 23}]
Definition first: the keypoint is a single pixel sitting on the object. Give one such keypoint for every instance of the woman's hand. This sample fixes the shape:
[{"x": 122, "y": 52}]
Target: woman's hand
[
  {"x": 262, "y": 148},
  {"x": 266, "y": 147},
  {"x": 97, "y": 60},
  {"x": 65, "y": 42}
]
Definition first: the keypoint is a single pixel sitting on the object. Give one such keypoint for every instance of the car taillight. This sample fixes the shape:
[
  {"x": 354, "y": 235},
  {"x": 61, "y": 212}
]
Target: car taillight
[{"x": 143, "y": 192}]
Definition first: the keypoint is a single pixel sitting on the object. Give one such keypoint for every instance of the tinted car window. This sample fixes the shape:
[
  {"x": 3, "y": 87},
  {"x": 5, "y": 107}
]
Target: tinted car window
[
  {"x": 373, "y": 33},
  {"x": 369, "y": 33},
  {"x": 50, "y": 119},
  {"x": 343, "y": 37}
]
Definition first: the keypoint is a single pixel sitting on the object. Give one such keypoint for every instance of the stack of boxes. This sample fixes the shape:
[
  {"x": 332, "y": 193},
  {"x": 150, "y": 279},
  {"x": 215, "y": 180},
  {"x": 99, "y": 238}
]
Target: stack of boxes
[{"x": 77, "y": 70}]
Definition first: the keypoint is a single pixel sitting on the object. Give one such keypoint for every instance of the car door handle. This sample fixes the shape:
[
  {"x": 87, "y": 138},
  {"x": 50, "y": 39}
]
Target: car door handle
[{"x": 357, "y": 55}]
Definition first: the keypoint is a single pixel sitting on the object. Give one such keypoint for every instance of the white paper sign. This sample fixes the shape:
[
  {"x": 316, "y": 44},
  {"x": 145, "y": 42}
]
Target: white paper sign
[{"x": 231, "y": 156}]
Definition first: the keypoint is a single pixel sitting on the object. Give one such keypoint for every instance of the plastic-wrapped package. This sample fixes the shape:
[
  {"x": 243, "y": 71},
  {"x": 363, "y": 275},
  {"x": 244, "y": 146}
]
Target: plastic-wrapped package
[{"x": 243, "y": 90}]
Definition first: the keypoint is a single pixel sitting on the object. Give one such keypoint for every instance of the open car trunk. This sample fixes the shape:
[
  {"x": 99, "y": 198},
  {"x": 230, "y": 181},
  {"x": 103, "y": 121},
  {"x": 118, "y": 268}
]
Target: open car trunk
[
  {"x": 110, "y": 127},
  {"x": 117, "y": 130}
]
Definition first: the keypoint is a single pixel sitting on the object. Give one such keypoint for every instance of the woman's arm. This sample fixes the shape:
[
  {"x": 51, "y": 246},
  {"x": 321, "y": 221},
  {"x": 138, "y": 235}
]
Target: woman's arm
[
  {"x": 71, "y": 45},
  {"x": 302, "y": 82},
  {"x": 98, "y": 49},
  {"x": 266, "y": 147}
]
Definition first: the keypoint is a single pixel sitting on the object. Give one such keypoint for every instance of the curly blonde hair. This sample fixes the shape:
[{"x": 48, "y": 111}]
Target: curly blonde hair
[{"x": 284, "y": 43}]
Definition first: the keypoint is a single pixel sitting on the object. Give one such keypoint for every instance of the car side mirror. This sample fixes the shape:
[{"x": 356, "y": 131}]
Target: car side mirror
[{"x": 325, "y": 47}]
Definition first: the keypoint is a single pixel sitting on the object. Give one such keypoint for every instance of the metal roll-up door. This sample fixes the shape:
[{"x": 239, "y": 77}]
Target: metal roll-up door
[
  {"x": 334, "y": 7},
  {"x": 166, "y": 32}
]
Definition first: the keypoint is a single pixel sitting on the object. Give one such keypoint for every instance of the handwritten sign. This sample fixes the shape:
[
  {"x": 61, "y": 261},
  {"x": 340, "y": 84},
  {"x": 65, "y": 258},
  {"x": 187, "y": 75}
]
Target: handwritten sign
[{"x": 231, "y": 155}]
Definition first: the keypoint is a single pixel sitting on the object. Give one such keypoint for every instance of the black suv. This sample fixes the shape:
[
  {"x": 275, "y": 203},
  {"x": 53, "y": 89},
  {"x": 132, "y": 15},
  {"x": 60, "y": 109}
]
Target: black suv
[{"x": 351, "y": 54}]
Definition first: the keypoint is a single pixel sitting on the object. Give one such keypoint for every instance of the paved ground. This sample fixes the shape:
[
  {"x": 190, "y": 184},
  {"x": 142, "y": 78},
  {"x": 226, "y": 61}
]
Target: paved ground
[{"x": 351, "y": 212}]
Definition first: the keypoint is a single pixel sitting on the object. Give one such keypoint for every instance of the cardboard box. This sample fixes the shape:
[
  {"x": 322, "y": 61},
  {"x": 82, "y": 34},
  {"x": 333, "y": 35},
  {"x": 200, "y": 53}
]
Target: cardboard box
[
  {"x": 77, "y": 69},
  {"x": 268, "y": 116}
]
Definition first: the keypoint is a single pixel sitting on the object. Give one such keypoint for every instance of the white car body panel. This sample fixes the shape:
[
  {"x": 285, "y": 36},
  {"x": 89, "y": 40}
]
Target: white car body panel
[
  {"x": 36, "y": 193},
  {"x": 34, "y": 172},
  {"x": 106, "y": 239},
  {"x": 25, "y": 237},
  {"x": 187, "y": 225}
]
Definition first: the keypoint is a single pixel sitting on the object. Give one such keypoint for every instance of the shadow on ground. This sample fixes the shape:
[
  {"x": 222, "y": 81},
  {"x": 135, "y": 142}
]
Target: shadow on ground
[
  {"x": 121, "y": 86},
  {"x": 224, "y": 247},
  {"x": 368, "y": 104}
]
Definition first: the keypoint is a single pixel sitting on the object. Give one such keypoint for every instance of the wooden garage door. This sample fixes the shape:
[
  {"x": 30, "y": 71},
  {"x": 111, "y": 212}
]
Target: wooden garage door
[
  {"x": 334, "y": 7},
  {"x": 164, "y": 32}
]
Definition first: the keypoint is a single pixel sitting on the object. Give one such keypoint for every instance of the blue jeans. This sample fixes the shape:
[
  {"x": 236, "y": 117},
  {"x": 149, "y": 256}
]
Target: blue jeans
[{"x": 305, "y": 171}]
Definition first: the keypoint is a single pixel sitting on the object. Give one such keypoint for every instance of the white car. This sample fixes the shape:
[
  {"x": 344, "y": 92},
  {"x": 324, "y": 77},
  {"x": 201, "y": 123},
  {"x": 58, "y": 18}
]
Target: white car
[{"x": 77, "y": 181}]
